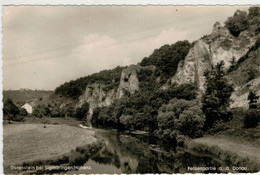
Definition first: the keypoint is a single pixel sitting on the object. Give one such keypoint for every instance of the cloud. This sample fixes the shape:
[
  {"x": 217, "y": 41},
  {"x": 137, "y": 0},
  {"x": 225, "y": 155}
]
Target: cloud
[
  {"x": 104, "y": 52},
  {"x": 98, "y": 52},
  {"x": 43, "y": 51}
]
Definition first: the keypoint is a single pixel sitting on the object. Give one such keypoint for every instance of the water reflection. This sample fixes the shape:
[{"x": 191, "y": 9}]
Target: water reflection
[{"x": 127, "y": 154}]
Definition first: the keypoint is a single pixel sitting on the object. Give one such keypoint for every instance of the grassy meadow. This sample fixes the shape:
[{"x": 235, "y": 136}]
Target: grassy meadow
[{"x": 32, "y": 141}]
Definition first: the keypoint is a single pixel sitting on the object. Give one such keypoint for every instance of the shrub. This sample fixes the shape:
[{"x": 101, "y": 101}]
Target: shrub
[
  {"x": 19, "y": 118},
  {"x": 23, "y": 112},
  {"x": 191, "y": 122},
  {"x": 126, "y": 121},
  {"x": 81, "y": 112},
  {"x": 139, "y": 121},
  {"x": 10, "y": 110},
  {"x": 180, "y": 117},
  {"x": 252, "y": 119}
]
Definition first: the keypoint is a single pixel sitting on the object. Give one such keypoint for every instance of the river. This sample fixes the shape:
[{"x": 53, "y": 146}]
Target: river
[{"x": 129, "y": 154}]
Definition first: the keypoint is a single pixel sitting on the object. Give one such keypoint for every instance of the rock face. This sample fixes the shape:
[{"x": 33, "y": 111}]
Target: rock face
[
  {"x": 239, "y": 97},
  {"x": 95, "y": 96},
  {"x": 128, "y": 81},
  {"x": 192, "y": 68},
  {"x": 209, "y": 50}
]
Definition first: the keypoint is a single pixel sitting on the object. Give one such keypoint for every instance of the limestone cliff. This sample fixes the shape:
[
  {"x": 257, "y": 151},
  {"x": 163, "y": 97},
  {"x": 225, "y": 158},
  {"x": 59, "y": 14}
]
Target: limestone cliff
[
  {"x": 96, "y": 96},
  {"x": 209, "y": 50},
  {"x": 129, "y": 81},
  {"x": 239, "y": 97}
]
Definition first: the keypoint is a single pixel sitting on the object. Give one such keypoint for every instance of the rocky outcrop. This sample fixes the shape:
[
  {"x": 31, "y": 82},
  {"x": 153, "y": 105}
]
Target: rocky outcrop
[
  {"x": 239, "y": 97},
  {"x": 209, "y": 50},
  {"x": 129, "y": 81},
  {"x": 95, "y": 95},
  {"x": 192, "y": 68}
]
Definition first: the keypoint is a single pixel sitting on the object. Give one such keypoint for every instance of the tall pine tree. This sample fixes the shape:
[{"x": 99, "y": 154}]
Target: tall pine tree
[
  {"x": 215, "y": 101},
  {"x": 252, "y": 97}
]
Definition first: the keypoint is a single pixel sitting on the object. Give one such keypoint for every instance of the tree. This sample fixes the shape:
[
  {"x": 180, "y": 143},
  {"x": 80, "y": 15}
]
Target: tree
[
  {"x": 167, "y": 57},
  {"x": 232, "y": 64},
  {"x": 252, "y": 97},
  {"x": 81, "y": 112},
  {"x": 215, "y": 101},
  {"x": 252, "y": 118},
  {"x": 23, "y": 112},
  {"x": 179, "y": 117},
  {"x": 253, "y": 17},
  {"x": 191, "y": 122},
  {"x": 237, "y": 23},
  {"x": 253, "y": 12},
  {"x": 10, "y": 110}
]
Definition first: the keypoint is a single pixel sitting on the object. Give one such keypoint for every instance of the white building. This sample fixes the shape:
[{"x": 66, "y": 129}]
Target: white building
[{"x": 27, "y": 107}]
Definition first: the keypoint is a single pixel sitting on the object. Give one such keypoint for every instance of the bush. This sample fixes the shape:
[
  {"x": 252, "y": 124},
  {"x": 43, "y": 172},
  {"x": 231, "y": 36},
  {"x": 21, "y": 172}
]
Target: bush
[
  {"x": 180, "y": 117},
  {"x": 81, "y": 112},
  {"x": 23, "y": 112},
  {"x": 126, "y": 121},
  {"x": 191, "y": 122},
  {"x": 10, "y": 110},
  {"x": 252, "y": 119},
  {"x": 18, "y": 118}
]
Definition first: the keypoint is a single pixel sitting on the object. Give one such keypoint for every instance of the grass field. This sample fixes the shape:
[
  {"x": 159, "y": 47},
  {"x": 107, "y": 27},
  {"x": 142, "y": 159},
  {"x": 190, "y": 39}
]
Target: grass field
[{"x": 28, "y": 142}]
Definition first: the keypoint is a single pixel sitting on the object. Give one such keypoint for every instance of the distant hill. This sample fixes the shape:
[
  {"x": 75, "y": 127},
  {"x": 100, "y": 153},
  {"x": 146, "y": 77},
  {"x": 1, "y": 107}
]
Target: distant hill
[{"x": 22, "y": 96}]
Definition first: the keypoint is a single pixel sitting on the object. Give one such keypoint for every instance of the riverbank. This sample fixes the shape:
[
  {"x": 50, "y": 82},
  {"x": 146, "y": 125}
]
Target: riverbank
[
  {"x": 31, "y": 142},
  {"x": 228, "y": 150}
]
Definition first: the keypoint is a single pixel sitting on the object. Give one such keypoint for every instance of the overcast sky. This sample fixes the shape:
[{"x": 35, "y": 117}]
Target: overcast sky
[{"x": 45, "y": 46}]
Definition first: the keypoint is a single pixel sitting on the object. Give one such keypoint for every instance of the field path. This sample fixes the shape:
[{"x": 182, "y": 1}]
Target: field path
[
  {"x": 28, "y": 142},
  {"x": 242, "y": 149}
]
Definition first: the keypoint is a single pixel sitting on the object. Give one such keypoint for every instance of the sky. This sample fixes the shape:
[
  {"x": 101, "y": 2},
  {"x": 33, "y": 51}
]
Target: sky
[{"x": 45, "y": 46}]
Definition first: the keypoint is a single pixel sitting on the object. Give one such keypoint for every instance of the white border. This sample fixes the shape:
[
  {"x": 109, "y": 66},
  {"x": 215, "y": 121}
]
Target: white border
[
  {"x": 130, "y": 2},
  {"x": 103, "y": 2}
]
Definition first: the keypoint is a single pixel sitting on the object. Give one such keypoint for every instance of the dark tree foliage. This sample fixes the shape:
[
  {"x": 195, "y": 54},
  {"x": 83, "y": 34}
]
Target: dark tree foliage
[
  {"x": 75, "y": 88},
  {"x": 167, "y": 57},
  {"x": 43, "y": 111},
  {"x": 215, "y": 101},
  {"x": 253, "y": 12},
  {"x": 251, "y": 75},
  {"x": 140, "y": 110},
  {"x": 237, "y": 23},
  {"x": 179, "y": 117},
  {"x": 241, "y": 21},
  {"x": 146, "y": 79},
  {"x": 254, "y": 48},
  {"x": 10, "y": 110},
  {"x": 253, "y": 18},
  {"x": 23, "y": 112},
  {"x": 81, "y": 112},
  {"x": 252, "y": 97},
  {"x": 232, "y": 64},
  {"x": 252, "y": 118}
]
